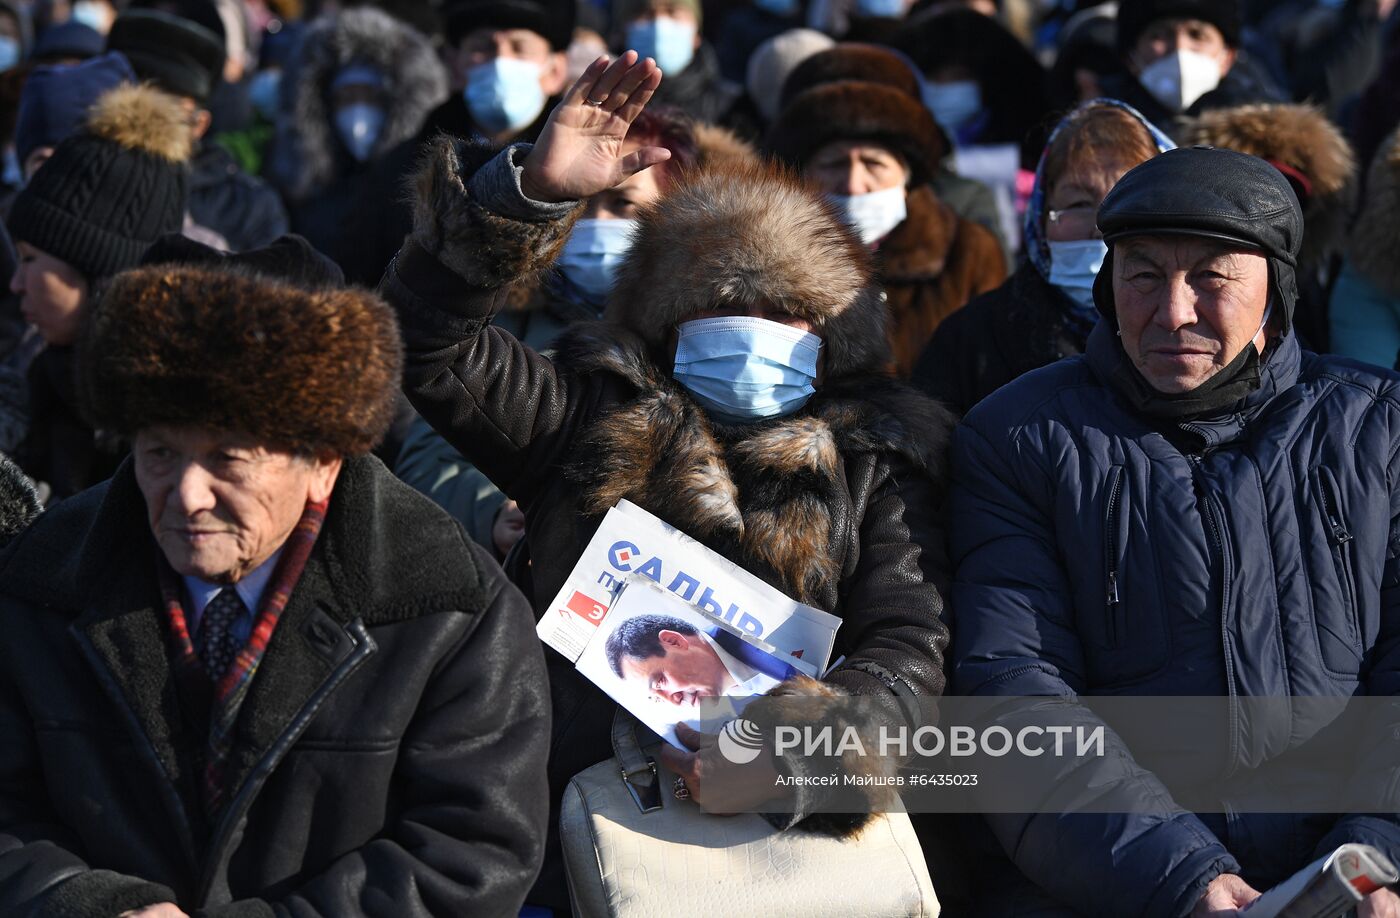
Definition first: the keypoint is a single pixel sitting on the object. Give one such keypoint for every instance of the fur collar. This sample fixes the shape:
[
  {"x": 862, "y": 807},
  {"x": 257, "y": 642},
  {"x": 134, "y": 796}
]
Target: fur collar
[
  {"x": 918, "y": 248},
  {"x": 767, "y": 495}
]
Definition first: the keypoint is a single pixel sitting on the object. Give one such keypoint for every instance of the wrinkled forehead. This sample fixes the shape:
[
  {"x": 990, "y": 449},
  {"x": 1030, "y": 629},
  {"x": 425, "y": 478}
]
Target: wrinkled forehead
[{"x": 1183, "y": 250}]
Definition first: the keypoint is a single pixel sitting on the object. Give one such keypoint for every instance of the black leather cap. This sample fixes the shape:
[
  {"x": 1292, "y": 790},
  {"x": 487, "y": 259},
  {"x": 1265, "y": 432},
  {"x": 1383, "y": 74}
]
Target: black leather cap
[
  {"x": 1202, "y": 191},
  {"x": 1213, "y": 194}
]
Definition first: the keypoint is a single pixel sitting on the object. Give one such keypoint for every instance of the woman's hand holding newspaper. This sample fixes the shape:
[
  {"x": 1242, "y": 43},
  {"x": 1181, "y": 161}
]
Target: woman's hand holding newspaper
[{"x": 714, "y": 782}]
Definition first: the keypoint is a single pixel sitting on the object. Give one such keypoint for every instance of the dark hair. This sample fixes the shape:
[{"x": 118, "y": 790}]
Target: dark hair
[
  {"x": 662, "y": 126},
  {"x": 1100, "y": 135},
  {"x": 639, "y": 638}
]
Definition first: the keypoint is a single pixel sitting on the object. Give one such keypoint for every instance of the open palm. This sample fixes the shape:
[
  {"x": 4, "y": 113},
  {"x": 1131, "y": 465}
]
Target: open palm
[{"x": 579, "y": 152}]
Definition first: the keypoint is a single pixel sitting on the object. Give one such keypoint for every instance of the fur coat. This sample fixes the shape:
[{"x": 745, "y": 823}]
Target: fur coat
[{"x": 837, "y": 504}]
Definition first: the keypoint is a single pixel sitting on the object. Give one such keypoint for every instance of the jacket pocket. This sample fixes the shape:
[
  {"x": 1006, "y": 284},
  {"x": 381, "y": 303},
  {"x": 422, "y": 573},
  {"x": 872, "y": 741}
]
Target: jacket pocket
[
  {"x": 1115, "y": 537},
  {"x": 1343, "y": 625}
]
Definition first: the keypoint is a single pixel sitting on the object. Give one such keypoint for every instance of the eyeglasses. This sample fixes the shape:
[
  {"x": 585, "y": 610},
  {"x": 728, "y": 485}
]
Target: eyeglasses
[{"x": 1078, "y": 217}]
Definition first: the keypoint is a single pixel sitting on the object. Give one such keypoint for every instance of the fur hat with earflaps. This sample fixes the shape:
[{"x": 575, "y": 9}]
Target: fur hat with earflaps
[
  {"x": 113, "y": 188},
  {"x": 739, "y": 233},
  {"x": 1307, "y": 148},
  {"x": 308, "y": 371}
]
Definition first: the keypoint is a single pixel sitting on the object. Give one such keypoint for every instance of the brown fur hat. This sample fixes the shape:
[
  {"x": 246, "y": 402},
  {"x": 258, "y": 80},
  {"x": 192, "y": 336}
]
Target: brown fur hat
[
  {"x": 719, "y": 147},
  {"x": 1302, "y": 140},
  {"x": 852, "y": 61},
  {"x": 859, "y": 110},
  {"x": 745, "y": 232},
  {"x": 306, "y": 371}
]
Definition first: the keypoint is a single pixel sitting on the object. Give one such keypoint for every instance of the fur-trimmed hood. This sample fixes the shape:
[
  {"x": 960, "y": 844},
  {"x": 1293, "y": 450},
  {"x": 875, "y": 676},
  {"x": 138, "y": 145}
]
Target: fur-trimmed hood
[
  {"x": 1374, "y": 249},
  {"x": 415, "y": 84},
  {"x": 1299, "y": 139},
  {"x": 740, "y": 233}
]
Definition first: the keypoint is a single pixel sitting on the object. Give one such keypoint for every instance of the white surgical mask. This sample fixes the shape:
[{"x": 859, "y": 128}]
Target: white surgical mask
[
  {"x": 593, "y": 252},
  {"x": 875, "y": 214},
  {"x": 953, "y": 104},
  {"x": 504, "y": 94},
  {"x": 1073, "y": 267},
  {"x": 1179, "y": 79},
  {"x": 96, "y": 16}
]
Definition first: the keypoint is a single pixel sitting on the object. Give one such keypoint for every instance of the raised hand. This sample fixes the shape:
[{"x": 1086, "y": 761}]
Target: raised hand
[{"x": 579, "y": 152}]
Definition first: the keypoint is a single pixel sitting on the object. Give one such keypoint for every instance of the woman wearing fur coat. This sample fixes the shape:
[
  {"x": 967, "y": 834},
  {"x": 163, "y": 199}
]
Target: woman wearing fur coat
[{"x": 825, "y": 479}]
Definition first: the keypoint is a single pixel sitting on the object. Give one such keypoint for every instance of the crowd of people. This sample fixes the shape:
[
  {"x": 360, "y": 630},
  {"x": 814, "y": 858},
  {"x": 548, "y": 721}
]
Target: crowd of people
[{"x": 1050, "y": 345}]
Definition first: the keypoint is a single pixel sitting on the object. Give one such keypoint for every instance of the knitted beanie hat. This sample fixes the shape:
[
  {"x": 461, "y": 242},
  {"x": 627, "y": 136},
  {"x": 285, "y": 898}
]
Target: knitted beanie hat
[{"x": 113, "y": 188}]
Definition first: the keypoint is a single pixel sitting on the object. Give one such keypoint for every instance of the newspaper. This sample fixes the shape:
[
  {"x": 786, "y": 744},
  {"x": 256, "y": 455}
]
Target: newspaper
[
  {"x": 631, "y": 541},
  {"x": 1327, "y": 888},
  {"x": 667, "y": 662}
]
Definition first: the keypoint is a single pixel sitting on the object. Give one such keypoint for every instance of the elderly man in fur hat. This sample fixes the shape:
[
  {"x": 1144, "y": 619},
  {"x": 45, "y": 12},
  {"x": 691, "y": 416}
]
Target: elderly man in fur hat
[
  {"x": 736, "y": 389},
  {"x": 253, "y": 674}
]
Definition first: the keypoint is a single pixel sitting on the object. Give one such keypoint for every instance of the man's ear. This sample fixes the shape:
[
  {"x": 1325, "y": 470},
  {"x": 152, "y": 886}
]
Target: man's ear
[
  {"x": 673, "y": 639},
  {"x": 554, "y": 74},
  {"x": 1228, "y": 64}
]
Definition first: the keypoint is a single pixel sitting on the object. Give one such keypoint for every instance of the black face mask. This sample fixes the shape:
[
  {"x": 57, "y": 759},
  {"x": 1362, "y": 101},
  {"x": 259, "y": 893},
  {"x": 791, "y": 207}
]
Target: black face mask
[{"x": 1235, "y": 381}]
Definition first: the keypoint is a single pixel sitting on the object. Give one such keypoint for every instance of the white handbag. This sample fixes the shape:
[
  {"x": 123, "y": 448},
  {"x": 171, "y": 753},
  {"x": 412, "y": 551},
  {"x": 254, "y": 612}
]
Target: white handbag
[{"x": 632, "y": 850}]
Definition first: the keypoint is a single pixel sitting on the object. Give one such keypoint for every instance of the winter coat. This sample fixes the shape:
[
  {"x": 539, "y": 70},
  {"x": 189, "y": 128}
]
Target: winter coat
[
  {"x": 388, "y": 757},
  {"x": 1366, "y": 300},
  {"x": 930, "y": 265},
  {"x": 1100, "y": 552},
  {"x": 434, "y": 467},
  {"x": 60, "y": 448},
  {"x": 1018, "y": 327},
  {"x": 836, "y": 505},
  {"x": 699, "y": 90},
  {"x": 244, "y": 210}
]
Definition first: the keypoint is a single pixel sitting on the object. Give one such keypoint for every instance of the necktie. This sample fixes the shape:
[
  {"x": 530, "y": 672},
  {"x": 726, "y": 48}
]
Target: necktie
[{"x": 216, "y": 643}]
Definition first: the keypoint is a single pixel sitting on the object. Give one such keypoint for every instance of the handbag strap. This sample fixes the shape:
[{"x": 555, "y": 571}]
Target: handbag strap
[{"x": 638, "y": 769}]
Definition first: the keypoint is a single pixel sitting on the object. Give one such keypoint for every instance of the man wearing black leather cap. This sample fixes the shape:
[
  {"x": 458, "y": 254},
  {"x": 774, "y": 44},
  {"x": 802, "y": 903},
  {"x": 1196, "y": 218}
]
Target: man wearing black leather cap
[{"x": 1195, "y": 507}]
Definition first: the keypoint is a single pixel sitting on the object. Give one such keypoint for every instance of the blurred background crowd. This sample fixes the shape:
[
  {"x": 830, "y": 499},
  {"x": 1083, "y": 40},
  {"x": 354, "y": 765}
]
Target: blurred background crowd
[{"x": 953, "y": 134}]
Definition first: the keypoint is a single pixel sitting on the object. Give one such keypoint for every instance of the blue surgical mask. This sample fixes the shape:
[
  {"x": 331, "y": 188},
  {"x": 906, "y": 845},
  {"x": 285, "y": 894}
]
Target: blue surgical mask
[
  {"x": 874, "y": 214},
  {"x": 671, "y": 42},
  {"x": 504, "y": 95},
  {"x": 265, "y": 92},
  {"x": 742, "y": 369},
  {"x": 783, "y": 8},
  {"x": 359, "y": 126},
  {"x": 1073, "y": 267},
  {"x": 953, "y": 104},
  {"x": 884, "y": 9},
  {"x": 9, "y": 52},
  {"x": 592, "y": 253}
]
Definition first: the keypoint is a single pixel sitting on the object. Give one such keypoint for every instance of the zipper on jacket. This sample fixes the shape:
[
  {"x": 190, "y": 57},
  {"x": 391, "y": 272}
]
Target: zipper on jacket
[
  {"x": 1215, "y": 528},
  {"x": 243, "y": 799},
  {"x": 1337, "y": 533},
  {"x": 1112, "y": 511}
]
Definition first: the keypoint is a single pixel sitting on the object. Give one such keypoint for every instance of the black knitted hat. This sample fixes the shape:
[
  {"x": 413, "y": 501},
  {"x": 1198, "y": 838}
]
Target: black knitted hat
[
  {"x": 553, "y": 19},
  {"x": 1134, "y": 16},
  {"x": 179, "y": 54},
  {"x": 113, "y": 188}
]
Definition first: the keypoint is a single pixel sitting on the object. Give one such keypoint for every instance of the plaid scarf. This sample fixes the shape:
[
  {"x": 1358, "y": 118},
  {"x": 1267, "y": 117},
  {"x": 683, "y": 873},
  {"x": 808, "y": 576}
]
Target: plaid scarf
[{"x": 229, "y": 693}]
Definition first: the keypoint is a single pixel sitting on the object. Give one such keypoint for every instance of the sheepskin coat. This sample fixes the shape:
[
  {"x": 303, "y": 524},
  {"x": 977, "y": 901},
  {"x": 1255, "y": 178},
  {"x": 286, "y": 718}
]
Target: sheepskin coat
[
  {"x": 837, "y": 504},
  {"x": 931, "y": 265}
]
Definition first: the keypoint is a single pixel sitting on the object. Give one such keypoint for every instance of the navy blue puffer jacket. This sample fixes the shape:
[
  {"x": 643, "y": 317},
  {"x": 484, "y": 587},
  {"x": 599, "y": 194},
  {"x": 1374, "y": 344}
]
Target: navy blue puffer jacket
[{"x": 1102, "y": 552}]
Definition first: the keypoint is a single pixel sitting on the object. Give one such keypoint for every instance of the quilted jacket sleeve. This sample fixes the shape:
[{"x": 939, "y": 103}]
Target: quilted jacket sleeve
[
  {"x": 1110, "y": 840},
  {"x": 502, "y": 405}
]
